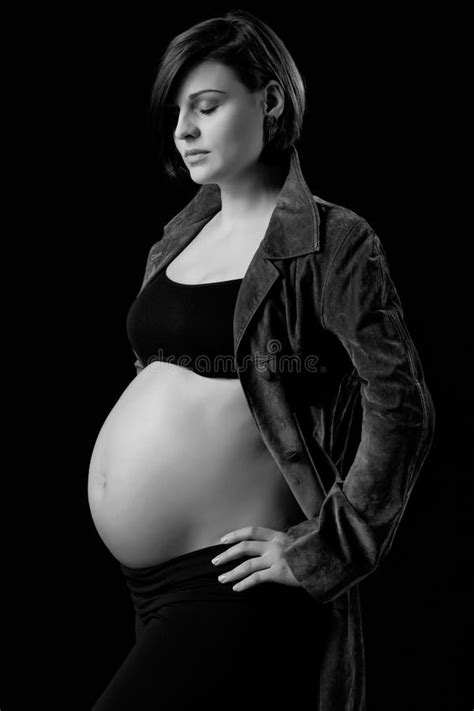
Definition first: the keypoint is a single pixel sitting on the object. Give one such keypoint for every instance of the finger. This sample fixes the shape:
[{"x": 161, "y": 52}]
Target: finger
[
  {"x": 247, "y": 568},
  {"x": 255, "y": 579},
  {"x": 241, "y": 549},
  {"x": 259, "y": 533}
]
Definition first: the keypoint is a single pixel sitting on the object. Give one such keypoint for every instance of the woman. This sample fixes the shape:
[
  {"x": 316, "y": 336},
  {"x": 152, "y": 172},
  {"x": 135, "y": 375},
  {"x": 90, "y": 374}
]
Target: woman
[{"x": 265, "y": 312}]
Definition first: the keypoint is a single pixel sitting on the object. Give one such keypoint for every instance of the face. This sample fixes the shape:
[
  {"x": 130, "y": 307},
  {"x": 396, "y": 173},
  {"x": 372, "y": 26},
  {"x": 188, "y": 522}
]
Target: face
[{"x": 214, "y": 112}]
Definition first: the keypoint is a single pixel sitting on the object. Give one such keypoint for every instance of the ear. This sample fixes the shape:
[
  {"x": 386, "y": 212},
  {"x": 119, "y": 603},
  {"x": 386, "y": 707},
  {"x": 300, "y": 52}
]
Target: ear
[{"x": 274, "y": 98}]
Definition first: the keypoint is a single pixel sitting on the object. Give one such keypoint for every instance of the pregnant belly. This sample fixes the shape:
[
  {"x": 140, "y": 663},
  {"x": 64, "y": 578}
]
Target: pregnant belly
[{"x": 179, "y": 462}]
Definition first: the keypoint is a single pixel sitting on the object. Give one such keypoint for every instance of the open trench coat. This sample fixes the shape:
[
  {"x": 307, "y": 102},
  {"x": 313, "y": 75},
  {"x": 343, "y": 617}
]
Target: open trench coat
[{"x": 336, "y": 388}]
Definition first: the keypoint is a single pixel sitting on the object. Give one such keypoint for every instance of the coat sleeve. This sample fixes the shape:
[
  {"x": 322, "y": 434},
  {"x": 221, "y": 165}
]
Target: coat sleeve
[
  {"x": 361, "y": 513},
  {"x": 138, "y": 362},
  {"x": 153, "y": 254}
]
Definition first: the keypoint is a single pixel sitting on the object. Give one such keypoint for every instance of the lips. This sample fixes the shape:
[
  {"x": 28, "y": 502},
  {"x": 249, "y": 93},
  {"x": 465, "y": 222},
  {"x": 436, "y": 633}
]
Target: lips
[
  {"x": 196, "y": 153},
  {"x": 197, "y": 158}
]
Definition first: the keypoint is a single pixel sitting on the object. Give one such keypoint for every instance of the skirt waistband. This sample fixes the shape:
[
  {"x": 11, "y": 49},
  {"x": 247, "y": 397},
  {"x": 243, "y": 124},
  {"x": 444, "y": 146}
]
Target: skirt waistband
[{"x": 192, "y": 576}]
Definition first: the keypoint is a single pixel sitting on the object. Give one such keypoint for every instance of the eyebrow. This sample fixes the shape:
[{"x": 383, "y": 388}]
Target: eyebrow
[{"x": 196, "y": 93}]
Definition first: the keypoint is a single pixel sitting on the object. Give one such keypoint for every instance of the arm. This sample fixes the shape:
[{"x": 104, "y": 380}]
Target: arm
[{"x": 360, "y": 515}]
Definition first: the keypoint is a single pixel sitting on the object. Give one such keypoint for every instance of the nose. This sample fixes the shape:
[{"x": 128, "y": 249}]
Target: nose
[{"x": 184, "y": 127}]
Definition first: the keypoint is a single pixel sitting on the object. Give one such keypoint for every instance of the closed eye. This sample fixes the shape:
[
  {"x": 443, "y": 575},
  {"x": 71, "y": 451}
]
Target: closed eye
[{"x": 172, "y": 113}]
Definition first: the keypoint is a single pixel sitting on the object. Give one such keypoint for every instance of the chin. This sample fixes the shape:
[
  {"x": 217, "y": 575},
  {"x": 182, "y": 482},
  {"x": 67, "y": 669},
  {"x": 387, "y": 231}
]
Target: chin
[
  {"x": 201, "y": 180},
  {"x": 202, "y": 176}
]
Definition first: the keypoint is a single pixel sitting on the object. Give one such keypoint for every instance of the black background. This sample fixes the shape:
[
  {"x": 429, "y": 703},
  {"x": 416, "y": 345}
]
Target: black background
[{"x": 379, "y": 135}]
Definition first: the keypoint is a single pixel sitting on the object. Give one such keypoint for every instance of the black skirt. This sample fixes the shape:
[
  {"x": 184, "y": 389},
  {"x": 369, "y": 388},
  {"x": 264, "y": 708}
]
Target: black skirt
[{"x": 198, "y": 641}]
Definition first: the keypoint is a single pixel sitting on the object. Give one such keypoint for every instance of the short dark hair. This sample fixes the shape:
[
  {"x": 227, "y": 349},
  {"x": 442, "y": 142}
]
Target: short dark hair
[{"x": 256, "y": 54}]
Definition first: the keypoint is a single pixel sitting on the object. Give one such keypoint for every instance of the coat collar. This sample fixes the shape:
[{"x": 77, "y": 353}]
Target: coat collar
[{"x": 293, "y": 229}]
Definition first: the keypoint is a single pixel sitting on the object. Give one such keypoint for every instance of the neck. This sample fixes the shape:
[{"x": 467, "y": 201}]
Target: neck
[{"x": 251, "y": 195}]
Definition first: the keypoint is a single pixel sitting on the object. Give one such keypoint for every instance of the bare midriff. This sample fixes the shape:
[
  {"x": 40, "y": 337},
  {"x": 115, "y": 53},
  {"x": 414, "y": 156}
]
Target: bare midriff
[{"x": 178, "y": 462}]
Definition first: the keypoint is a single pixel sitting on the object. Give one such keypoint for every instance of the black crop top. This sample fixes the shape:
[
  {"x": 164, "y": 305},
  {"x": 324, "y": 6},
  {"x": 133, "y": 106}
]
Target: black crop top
[{"x": 186, "y": 324}]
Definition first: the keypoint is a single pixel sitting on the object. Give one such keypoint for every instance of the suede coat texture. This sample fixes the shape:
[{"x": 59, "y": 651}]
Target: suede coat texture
[{"x": 337, "y": 390}]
